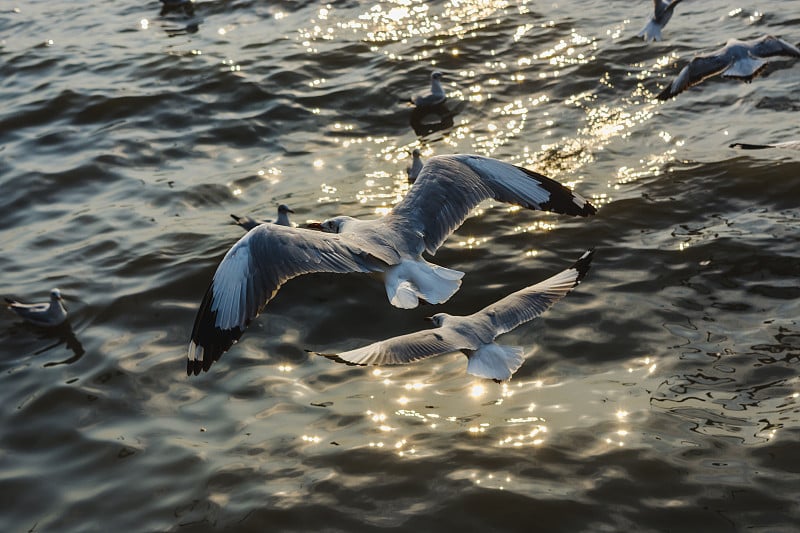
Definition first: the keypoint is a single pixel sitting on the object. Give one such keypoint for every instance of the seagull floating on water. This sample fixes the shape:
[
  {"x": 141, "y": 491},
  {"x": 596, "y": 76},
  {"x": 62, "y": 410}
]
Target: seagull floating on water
[
  {"x": 738, "y": 59},
  {"x": 474, "y": 334},
  {"x": 249, "y": 223},
  {"x": 435, "y": 96},
  {"x": 415, "y": 167},
  {"x": 790, "y": 145},
  {"x": 662, "y": 12},
  {"x": 446, "y": 191},
  {"x": 48, "y": 314}
]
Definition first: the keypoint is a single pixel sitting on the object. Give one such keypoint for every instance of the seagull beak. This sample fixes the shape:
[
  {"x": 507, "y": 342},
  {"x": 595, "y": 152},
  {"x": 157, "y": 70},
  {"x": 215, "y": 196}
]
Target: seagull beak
[
  {"x": 429, "y": 318},
  {"x": 290, "y": 210},
  {"x": 314, "y": 225}
]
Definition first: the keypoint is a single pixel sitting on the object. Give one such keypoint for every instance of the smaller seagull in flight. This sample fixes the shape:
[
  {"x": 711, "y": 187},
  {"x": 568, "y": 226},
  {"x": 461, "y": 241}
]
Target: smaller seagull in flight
[
  {"x": 663, "y": 10},
  {"x": 743, "y": 60},
  {"x": 249, "y": 223},
  {"x": 48, "y": 314},
  {"x": 474, "y": 334}
]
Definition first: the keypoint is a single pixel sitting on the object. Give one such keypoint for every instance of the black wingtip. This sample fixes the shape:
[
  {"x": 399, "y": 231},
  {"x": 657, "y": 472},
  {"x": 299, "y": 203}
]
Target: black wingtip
[
  {"x": 665, "y": 94},
  {"x": 211, "y": 341},
  {"x": 583, "y": 264},
  {"x": 563, "y": 200},
  {"x": 335, "y": 357},
  {"x": 745, "y": 146}
]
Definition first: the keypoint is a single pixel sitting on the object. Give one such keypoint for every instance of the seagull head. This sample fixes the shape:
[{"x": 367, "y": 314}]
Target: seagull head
[
  {"x": 415, "y": 152},
  {"x": 55, "y": 294},
  {"x": 437, "y": 319},
  {"x": 335, "y": 224},
  {"x": 436, "y": 75},
  {"x": 283, "y": 208}
]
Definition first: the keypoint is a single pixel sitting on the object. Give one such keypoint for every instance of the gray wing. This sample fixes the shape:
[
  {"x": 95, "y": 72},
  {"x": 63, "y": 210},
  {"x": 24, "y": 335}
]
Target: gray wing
[
  {"x": 530, "y": 302},
  {"x": 251, "y": 273},
  {"x": 769, "y": 46},
  {"x": 405, "y": 348},
  {"x": 449, "y": 187},
  {"x": 700, "y": 68}
]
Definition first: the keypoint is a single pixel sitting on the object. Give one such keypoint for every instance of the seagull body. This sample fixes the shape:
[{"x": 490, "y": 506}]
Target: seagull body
[
  {"x": 474, "y": 335},
  {"x": 415, "y": 167},
  {"x": 435, "y": 96},
  {"x": 446, "y": 191},
  {"x": 789, "y": 145},
  {"x": 738, "y": 59},
  {"x": 662, "y": 12},
  {"x": 249, "y": 223},
  {"x": 48, "y": 314}
]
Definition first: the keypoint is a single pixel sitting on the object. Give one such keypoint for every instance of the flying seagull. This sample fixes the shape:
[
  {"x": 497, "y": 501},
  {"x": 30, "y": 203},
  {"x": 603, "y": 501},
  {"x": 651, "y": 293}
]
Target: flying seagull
[
  {"x": 790, "y": 145},
  {"x": 48, "y": 314},
  {"x": 435, "y": 96},
  {"x": 474, "y": 334},
  {"x": 249, "y": 223},
  {"x": 738, "y": 59},
  {"x": 446, "y": 191},
  {"x": 662, "y": 13},
  {"x": 416, "y": 165}
]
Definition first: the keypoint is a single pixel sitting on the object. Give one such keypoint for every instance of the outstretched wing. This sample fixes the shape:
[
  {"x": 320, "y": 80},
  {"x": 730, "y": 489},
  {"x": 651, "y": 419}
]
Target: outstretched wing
[
  {"x": 530, "y": 302},
  {"x": 769, "y": 46},
  {"x": 449, "y": 187},
  {"x": 251, "y": 273},
  {"x": 700, "y": 68},
  {"x": 404, "y": 349}
]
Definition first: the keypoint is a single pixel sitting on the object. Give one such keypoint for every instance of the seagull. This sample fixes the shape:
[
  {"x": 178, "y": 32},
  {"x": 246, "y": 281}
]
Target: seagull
[
  {"x": 737, "y": 59},
  {"x": 249, "y": 223},
  {"x": 446, "y": 191},
  {"x": 48, "y": 314},
  {"x": 662, "y": 13},
  {"x": 790, "y": 145},
  {"x": 435, "y": 96},
  {"x": 415, "y": 167},
  {"x": 474, "y": 334}
]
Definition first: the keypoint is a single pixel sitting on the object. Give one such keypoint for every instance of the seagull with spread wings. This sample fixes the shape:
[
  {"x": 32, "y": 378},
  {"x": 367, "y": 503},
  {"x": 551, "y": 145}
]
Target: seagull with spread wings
[
  {"x": 743, "y": 60},
  {"x": 474, "y": 334},
  {"x": 448, "y": 188}
]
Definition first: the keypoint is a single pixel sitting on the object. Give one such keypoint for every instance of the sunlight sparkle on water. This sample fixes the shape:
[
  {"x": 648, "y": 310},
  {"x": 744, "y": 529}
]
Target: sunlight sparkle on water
[{"x": 477, "y": 390}]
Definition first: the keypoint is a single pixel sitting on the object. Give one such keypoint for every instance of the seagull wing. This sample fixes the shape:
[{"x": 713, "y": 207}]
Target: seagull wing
[
  {"x": 449, "y": 187},
  {"x": 769, "y": 46},
  {"x": 405, "y": 348},
  {"x": 700, "y": 68},
  {"x": 530, "y": 302},
  {"x": 251, "y": 273}
]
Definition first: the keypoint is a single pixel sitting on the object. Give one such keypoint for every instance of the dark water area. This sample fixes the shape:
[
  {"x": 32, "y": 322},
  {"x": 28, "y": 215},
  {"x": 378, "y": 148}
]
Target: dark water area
[{"x": 661, "y": 395}]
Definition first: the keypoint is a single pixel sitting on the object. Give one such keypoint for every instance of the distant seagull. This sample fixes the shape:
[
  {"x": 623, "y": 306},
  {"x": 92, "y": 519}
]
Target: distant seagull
[
  {"x": 737, "y": 59},
  {"x": 662, "y": 13},
  {"x": 790, "y": 145},
  {"x": 44, "y": 314},
  {"x": 415, "y": 167},
  {"x": 446, "y": 191},
  {"x": 249, "y": 223},
  {"x": 435, "y": 96},
  {"x": 474, "y": 335}
]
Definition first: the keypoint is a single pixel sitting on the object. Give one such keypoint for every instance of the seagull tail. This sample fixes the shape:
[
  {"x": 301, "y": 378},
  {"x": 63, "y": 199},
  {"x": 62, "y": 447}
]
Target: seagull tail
[
  {"x": 494, "y": 361},
  {"x": 651, "y": 31},
  {"x": 410, "y": 281}
]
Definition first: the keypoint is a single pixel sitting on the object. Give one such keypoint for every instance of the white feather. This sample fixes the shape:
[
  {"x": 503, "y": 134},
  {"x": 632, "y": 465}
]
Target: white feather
[{"x": 494, "y": 361}]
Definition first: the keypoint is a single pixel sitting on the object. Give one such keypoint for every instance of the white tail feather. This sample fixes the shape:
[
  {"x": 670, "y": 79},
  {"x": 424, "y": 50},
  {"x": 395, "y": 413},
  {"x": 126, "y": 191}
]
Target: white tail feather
[
  {"x": 651, "y": 31},
  {"x": 409, "y": 281},
  {"x": 494, "y": 361},
  {"x": 744, "y": 68}
]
